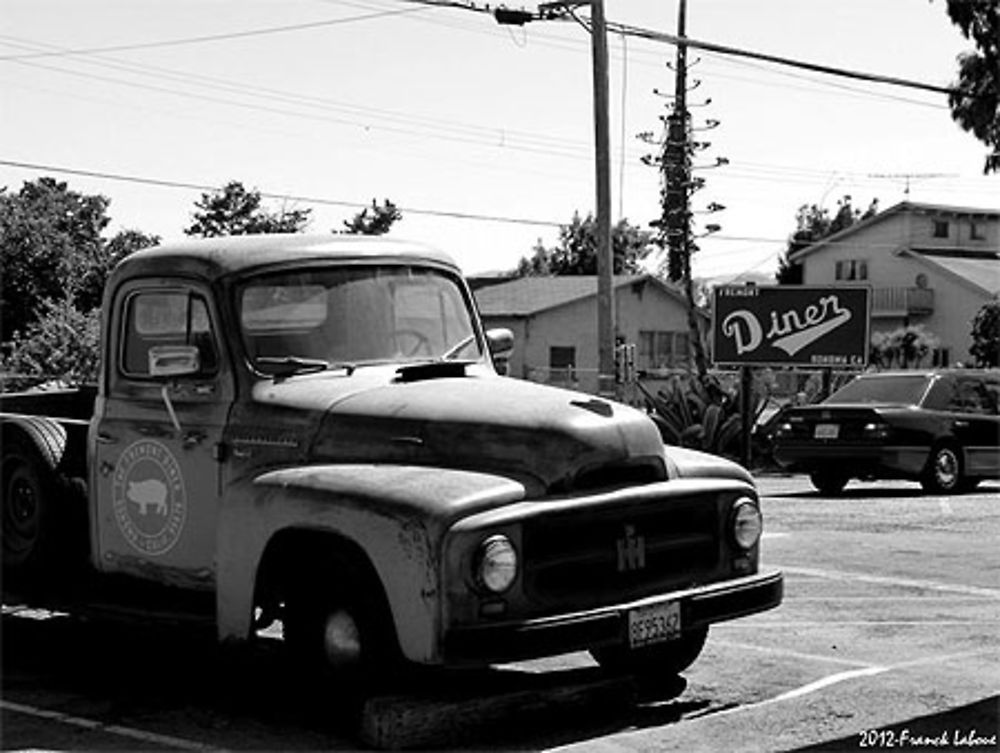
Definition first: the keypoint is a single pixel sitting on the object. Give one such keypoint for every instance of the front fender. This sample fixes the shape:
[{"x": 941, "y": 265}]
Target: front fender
[{"x": 397, "y": 515}]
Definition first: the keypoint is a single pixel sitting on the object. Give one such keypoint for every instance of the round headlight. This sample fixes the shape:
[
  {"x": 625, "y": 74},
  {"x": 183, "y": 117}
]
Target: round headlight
[
  {"x": 747, "y": 523},
  {"x": 496, "y": 564}
]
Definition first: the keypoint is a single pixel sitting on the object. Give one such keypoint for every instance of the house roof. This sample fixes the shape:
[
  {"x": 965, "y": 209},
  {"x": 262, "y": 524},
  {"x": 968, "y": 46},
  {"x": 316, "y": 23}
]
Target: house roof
[
  {"x": 977, "y": 268},
  {"x": 901, "y": 207},
  {"x": 527, "y": 296}
]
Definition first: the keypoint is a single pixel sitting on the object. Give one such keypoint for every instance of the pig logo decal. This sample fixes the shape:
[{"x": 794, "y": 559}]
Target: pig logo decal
[{"x": 148, "y": 497}]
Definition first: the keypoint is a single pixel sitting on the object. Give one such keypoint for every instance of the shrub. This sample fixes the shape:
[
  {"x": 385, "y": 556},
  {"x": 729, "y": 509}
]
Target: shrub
[{"x": 62, "y": 347}]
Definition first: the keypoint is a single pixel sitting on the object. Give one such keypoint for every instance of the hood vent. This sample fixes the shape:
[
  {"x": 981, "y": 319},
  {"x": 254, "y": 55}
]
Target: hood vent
[
  {"x": 612, "y": 476},
  {"x": 419, "y": 372}
]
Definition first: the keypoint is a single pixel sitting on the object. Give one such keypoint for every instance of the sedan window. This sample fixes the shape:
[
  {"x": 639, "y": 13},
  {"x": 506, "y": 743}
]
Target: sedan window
[
  {"x": 972, "y": 397},
  {"x": 905, "y": 389}
]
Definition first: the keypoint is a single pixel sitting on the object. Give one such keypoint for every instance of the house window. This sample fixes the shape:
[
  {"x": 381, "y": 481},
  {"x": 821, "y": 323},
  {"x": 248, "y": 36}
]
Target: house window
[
  {"x": 976, "y": 232},
  {"x": 562, "y": 364},
  {"x": 660, "y": 349},
  {"x": 941, "y": 357},
  {"x": 940, "y": 228},
  {"x": 851, "y": 269}
]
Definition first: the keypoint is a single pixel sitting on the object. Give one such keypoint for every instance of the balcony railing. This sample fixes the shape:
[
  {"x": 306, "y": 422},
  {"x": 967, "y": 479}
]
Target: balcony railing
[{"x": 902, "y": 301}]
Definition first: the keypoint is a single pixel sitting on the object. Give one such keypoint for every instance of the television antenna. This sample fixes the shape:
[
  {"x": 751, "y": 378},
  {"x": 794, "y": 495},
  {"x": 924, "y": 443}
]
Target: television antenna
[{"x": 907, "y": 177}]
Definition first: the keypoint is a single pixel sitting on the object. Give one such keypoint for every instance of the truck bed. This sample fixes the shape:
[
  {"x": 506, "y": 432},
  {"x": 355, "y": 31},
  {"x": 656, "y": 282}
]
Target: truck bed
[{"x": 71, "y": 404}]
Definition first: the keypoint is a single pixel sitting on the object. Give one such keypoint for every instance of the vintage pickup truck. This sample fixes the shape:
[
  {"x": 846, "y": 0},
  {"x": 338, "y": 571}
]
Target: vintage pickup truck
[{"x": 310, "y": 431}]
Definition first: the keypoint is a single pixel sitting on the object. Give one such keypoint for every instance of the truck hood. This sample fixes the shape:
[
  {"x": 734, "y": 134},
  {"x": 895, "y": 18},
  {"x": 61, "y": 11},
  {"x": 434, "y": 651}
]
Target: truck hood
[{"x": 551, "y": 440}]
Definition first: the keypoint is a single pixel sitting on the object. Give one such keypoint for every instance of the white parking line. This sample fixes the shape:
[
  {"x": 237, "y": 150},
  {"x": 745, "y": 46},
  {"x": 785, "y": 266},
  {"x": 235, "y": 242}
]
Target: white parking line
[
  {"x": 825, "y": 682},
  {"x": 791, "y": 654},
  {"x": 883, "y": 580},
  {"x": 867, "y": 671},
  {"x": 168, "y": 741}
]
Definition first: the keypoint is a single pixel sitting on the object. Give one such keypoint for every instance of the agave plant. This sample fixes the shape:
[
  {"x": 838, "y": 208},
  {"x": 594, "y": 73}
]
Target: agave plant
[{"x": 703, "y": 414}]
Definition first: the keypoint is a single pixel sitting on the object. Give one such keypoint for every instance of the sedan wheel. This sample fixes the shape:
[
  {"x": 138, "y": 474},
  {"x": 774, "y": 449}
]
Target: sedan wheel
[
  {"x": 943, "y": 474},
  {"x": 828, "y": 482}
]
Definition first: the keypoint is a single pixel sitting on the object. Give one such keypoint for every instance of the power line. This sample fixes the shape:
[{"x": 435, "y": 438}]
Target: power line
[
  {"x": 689, "y": 42},
  {"x": 282, "y": 196},
  {"x": 778, "y": 60},
  {"x": 210, "y": 37}
]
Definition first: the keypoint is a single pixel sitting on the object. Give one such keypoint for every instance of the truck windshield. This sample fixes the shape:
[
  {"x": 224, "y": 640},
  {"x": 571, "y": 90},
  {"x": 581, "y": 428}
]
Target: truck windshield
[{"x": 353, "y": 315}]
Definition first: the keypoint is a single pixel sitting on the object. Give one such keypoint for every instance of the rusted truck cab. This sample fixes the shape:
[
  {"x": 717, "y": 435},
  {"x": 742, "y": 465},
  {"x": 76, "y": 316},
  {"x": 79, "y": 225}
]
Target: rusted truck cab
[{"x": 310, "y": 430}]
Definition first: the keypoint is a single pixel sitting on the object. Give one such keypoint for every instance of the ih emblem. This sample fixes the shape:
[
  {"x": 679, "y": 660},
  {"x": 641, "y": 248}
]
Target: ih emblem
[{"x": 631, "y": 551}]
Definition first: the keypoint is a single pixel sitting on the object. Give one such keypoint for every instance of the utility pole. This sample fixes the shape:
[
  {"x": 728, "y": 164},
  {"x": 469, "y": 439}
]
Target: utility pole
[
  {"x": 677, "y": 187},
  {"x": 602, "y": 145},
  {"x": 605, "y": 258}
]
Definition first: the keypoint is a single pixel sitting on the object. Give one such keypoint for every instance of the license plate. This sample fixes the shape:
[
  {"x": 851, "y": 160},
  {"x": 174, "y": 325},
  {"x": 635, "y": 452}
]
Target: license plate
[
  {"x": 654, "y": 624},
  {"x": 827, "y": 431}
]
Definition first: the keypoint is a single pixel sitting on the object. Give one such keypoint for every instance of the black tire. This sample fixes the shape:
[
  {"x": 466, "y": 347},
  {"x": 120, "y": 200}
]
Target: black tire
[
  {"x": 663, "y": 661},
  {"x": 970, "y": 484},
  {"x": 944, "y": 473},
  {"x": 27, "y": 499},
  {"x": 830, "y": 483},
  {"x": 338, "y": 629}
]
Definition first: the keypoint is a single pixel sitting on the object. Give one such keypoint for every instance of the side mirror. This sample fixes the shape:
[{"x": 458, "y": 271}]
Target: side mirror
[
  {"x": 174, "y": 360},
  {"x": 500, "y": 342}
]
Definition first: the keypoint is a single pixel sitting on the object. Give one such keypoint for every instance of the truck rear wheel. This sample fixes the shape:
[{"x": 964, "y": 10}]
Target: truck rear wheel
[
  {"x": 662, "y": 661},
  {"x": 26, "y": 498}
]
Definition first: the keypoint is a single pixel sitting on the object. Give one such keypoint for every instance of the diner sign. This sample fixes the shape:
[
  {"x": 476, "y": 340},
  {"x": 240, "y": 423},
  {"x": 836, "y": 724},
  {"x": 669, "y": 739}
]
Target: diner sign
[{"x": 782, "y": 325}]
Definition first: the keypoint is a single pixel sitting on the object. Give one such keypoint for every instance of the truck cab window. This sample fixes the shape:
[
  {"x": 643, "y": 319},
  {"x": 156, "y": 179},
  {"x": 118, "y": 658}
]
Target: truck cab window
[{"x": 173, "y": 317}]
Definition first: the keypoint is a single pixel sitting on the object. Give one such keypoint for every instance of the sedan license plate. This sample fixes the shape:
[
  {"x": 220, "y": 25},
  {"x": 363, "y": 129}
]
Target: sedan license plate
[
  {"x": 654, "y": 624},
  {"x": 826, "y": 431}
]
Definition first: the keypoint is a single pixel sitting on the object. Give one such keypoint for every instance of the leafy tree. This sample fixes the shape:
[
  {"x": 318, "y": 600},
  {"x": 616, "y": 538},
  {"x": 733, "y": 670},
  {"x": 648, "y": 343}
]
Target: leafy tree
[
  {"x": 90, "y": 286},
  {"x": 235, "y": 210},
  {"x": 378, "y": 222},
  {"x": 986, "y": 335},
  {"x": 61, "y": 346},
  {"x": 50, "y": 239},
  {"x": 812, "y": 224},
  {"x": 975, "y": 106},
  {"x": 904, "y": 348},
  {"x": 576, "y": 253}
]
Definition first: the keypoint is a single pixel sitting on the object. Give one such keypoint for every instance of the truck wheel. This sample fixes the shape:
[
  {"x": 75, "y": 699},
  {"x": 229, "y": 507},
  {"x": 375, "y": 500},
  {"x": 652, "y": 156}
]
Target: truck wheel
[
  {"x": 335, "y": 630},
  {"x": 830, "y": 483},
  {"x": 943, "y": 473},
  {"x": 650, "y": 664},
  {"x": 26, "y": 499}
]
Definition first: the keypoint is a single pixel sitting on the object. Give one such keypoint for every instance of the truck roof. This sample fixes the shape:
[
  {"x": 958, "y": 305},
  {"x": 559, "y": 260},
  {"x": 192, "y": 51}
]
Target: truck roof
[{"x": 212, "y": 258}]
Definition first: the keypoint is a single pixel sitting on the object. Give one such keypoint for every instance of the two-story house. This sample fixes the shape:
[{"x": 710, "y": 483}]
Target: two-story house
[
  {"x": 927, "y": 264},
  {"x": 554, "y": 321}
]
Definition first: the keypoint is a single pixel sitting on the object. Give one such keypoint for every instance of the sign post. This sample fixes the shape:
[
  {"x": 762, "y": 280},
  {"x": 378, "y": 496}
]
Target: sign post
[{"x": 788, "y": 325}]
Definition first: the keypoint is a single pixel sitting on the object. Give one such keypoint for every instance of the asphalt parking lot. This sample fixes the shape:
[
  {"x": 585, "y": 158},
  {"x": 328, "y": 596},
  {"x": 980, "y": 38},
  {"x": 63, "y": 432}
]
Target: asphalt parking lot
[{"x": 887, "y": 638}]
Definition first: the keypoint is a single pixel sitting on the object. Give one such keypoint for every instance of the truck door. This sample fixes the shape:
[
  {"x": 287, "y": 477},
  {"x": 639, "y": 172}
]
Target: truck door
[{"x": 156, "y": 439}]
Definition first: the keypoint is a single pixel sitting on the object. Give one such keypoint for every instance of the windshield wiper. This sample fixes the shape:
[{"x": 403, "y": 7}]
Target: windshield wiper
[
  {"x": 458, "y": 347},
  {"x": 287, "y": 366}
]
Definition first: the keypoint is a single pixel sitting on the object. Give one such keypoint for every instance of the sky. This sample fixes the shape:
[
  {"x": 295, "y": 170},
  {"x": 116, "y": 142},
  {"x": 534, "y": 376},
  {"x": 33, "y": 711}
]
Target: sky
[{"x": 483, "y": 135}]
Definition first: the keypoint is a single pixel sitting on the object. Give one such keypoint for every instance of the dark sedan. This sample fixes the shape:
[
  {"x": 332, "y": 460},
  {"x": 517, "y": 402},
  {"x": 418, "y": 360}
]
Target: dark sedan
[{"x": 941, "y": 428}]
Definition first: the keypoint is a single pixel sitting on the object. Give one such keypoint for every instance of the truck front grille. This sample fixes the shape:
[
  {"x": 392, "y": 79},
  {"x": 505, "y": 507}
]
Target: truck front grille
[{"x": 622, "y": 552}]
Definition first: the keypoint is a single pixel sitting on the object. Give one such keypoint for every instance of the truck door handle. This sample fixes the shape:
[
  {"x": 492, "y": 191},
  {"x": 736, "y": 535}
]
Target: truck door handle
[
  {"x": 961, "y": 425},
  {"x": 103, "y": 438},
  {"x": 193, "y": 438}
]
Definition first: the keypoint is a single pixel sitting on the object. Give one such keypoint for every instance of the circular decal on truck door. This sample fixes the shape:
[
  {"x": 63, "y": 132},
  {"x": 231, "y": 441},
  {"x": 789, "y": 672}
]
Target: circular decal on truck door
[{"x": 148, "y": 497}]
